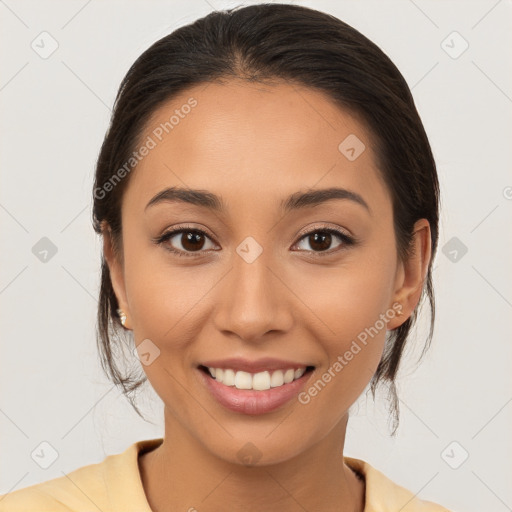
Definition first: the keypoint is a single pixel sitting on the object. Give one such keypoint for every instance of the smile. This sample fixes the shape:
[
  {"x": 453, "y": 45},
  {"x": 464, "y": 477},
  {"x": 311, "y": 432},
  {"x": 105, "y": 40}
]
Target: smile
[
  {"x": 260, "y": 381},
  {"x": 254, "y": 393}
]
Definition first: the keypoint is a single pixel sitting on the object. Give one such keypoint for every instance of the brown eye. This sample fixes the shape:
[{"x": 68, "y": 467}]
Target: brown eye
[
  {"x": 320, "y": 240},
  {"x": 192, "y": 241},
  {"x": 186, "y": 242}
]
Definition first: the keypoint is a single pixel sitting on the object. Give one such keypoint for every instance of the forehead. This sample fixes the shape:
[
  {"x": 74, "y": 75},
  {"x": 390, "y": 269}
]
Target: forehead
[{"x": 240, "y": 139}]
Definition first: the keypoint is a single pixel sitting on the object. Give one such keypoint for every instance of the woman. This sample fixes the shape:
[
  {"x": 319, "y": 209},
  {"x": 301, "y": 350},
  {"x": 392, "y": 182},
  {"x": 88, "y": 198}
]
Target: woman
[{"x": 268, "y": 203}]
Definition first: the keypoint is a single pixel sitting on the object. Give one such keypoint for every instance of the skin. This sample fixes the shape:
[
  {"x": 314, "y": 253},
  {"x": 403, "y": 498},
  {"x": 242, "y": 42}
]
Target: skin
[{"x": 254, "y": 145}]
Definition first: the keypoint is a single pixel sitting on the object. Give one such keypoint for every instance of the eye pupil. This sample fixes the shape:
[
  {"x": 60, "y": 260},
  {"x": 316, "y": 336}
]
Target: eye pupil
[
  {"x": 322, "y": 237},
  {"x": 190, "y": 241}
]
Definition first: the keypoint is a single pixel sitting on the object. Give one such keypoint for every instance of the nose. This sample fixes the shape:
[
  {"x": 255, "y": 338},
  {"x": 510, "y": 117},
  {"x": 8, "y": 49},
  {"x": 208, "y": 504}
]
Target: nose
[{"x": 253, "y": 300}]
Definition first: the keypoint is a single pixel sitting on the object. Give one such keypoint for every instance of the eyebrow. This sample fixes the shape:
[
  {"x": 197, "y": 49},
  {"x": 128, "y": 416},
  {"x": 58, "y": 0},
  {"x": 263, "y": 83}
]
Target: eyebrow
[{"x": 295, "y": 201}]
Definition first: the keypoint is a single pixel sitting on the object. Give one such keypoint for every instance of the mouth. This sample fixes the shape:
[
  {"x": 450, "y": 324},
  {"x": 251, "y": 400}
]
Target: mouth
[
  {"x": 260, "y": 381},
  {"x": 254, "y": 393}
]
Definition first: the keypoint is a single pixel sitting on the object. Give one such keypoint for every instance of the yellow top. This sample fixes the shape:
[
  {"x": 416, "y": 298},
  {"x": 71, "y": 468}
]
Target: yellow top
[{"x": 114, "y": 485}]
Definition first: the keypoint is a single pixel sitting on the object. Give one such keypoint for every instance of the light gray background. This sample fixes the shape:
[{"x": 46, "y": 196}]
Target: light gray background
[{"x": 54, "y": 115}]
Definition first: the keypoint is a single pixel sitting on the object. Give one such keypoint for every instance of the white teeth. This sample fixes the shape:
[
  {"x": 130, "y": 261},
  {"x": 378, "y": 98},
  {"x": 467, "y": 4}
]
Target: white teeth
[
  {"x": 258, "y": 381},
  {"x": 277, "y": 379},
  {"x": 243, "y": 380},
  {"x": 289, "y": 375},
  {"x": 228, "y": 378},
  {"x": 299, "y": 373},
  {"x": 261, "y": 381}
]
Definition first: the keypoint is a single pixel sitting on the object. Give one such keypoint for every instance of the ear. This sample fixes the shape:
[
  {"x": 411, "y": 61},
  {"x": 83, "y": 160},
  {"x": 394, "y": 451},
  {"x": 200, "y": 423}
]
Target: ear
[
  {"x": 116, "y": 272},
  {"x": 411, "y": 274}
]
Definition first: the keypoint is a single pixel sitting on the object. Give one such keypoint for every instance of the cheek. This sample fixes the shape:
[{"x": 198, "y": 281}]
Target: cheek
[
  {"x": 352, "y": 336},
  {"x": 166, "y": 302},
  {"x": 348, "y": 297},
  {"x": 163, "y": 296},
  {"x": 351, "y": 305}
]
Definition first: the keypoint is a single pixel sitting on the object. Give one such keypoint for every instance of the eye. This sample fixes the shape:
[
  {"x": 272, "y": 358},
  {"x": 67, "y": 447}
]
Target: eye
[
  {"x": 192, "y": 242},
  {"x": 185, "y": 241},
  {"x": 320, "y": 240}
]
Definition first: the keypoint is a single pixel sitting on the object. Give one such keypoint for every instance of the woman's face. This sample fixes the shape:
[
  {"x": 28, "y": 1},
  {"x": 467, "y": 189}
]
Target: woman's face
[{"x": 265, "y": 280}]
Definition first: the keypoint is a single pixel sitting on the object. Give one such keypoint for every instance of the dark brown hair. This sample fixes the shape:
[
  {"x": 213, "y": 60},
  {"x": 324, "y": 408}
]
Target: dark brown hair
[{"x": 269, "y": 43}]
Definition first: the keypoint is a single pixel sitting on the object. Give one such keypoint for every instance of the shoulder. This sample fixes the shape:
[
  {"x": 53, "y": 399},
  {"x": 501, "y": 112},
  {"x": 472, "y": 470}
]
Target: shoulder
[
  {"x": 108, "y": 485},
  {"x": 78, "y": 490},
  {"x": 30, "y": 499},
  {"x": 384, "y": 495}
]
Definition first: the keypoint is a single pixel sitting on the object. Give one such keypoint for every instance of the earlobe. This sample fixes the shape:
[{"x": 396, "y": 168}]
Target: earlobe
[
  {"x": 412, "y": 273},
  {"x": 116, "y": 275},
  {"x": 122, "y": 317}
]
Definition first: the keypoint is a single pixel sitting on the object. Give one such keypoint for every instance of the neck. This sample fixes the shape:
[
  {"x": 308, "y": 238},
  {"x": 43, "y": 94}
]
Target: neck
[{"x": 181, "y": 475}]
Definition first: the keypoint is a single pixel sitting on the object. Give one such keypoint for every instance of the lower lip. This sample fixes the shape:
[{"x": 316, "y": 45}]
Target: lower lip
[{"x": 249, "y": 401}]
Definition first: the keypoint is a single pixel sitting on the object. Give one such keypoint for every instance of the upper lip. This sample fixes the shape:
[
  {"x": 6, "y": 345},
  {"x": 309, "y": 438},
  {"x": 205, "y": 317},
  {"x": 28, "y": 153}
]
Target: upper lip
[{"x": 259, "y": 365}]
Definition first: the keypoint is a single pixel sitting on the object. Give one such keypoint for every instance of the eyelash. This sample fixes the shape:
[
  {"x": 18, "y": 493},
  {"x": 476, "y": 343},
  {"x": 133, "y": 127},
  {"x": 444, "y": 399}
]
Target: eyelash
[{"x": 346, "y": 239}]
